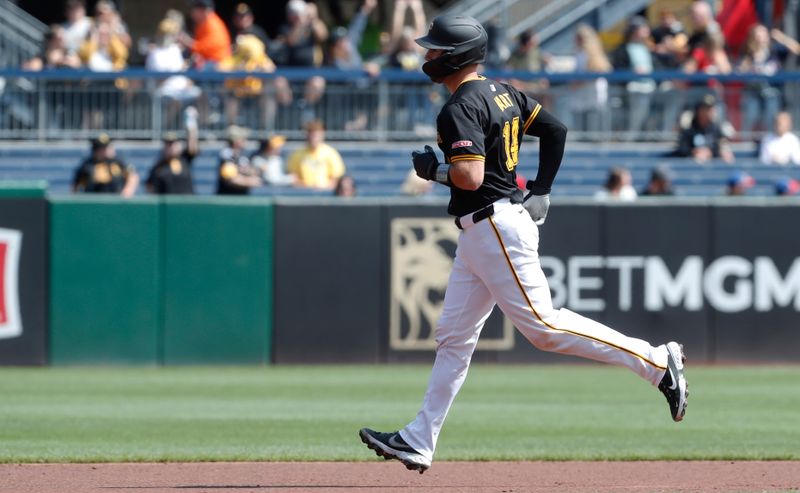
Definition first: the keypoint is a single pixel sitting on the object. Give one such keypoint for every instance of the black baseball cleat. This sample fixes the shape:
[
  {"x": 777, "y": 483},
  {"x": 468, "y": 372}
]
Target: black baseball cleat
[
  {"x": 674, "y": 385},
  {"x": 392, "y": 446}
]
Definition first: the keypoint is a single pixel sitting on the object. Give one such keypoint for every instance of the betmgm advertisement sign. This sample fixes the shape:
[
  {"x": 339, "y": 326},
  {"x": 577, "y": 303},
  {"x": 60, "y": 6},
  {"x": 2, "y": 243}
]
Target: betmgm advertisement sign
[
  {"x": 656, "y": 289},
  {"x": 23, "y": 286}
]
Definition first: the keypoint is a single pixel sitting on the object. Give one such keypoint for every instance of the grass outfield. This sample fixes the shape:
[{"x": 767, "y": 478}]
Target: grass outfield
[{"x": 313, "y": 413}]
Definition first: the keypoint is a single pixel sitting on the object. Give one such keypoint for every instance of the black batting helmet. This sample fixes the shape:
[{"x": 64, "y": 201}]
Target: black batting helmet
[{"x": 463, "y": 40}]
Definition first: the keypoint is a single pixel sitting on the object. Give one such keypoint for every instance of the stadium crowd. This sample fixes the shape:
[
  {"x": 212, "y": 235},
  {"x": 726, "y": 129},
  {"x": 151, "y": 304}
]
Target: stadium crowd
[{"x": 700, "y": 112}]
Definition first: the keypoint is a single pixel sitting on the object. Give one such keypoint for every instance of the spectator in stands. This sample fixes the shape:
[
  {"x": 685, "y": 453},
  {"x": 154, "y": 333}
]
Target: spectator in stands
[
  {"x": 618, "y": 186},
  {"x": 660, "y": 182},
  {"x": 269, "y": 161},
  {"x": 738, "y": 183},
  {"x": 244, "y": 23},
  {"x": 165, "y": 55},
  {"x": 588, "y": 99},
  {"x": 54, "y": 54},
  {"x": 104, "y": 172},
  {"x": 236, "y": 175},
  {"x": 668, "y": 26},
  {"x": 172, "y": 172},
  {"x": 344, "y": 43},
  {"x": 105, "y": 12},
  {"x": 211, "y": 42},
  {"x": 669, "y": 53},
  {"x": 704, "y": 139},
  {"x": 249, "y": 56},
  {"x": 343, "y": 53},
  {"x": 781, "y": 146},
  {"x": 317, "y": 165},
  {"x": 300, "y": 39},
  {"x": 527, "y": 57},
  {"x": 670, "y": 41},
  {"x": 634, "y": 55},
  {"x": 299, "y": 44},
  {"x": 760, "y": 101},
  {"x": 103, "y": 51},
  {"x": 405, "y": 55},
  {"x": 710, "y": 57},
  {"x": 77, "y": 25},
  {"x": 703, "y": 24},
  {"x": 345, "y": 187},
  {"x": 787, "y": 186}
]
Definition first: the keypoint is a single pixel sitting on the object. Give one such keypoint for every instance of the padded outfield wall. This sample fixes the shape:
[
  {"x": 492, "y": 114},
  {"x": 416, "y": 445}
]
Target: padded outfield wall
[{"x": 251, "y": 281}]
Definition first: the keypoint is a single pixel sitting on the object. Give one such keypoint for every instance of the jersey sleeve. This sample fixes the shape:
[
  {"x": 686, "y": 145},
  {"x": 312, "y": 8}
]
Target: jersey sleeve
[
  {"x": 552, "y": 138},
  {"x": 529, "y": 109},
  {"x": 461, "y": 134}
]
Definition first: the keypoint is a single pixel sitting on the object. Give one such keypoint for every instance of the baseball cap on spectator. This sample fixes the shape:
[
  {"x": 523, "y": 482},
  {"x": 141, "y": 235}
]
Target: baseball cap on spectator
[
  {"x": 338, "y": 33},
  {"x": 636, "y": 22},
  {"x": 236, "y": 132},
  {"x": 708, "y": 101},
  {"x": 661, "y": 172},
  {"x": 296, "y": 7},
  {"x": 168, "y": 27},
  {"x": 787, "y": 186},
  {"x": 170, "y": 137},
  {"x": 102, "y": 140},
  {"x": 206, "y": 4},
  {"x": 273, "y": 142},
  {"x": 741, "y": 179},
  {"x": 242, "y": 9}
]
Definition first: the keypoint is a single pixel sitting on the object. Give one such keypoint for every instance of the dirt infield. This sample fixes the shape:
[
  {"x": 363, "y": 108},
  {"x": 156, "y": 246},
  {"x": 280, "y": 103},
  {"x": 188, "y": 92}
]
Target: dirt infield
[{"x": 482, "y": 477}]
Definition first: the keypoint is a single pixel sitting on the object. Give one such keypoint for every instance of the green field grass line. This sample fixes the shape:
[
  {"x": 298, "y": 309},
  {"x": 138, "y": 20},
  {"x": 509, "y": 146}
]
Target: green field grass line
[{"x": 313, "y": 413}]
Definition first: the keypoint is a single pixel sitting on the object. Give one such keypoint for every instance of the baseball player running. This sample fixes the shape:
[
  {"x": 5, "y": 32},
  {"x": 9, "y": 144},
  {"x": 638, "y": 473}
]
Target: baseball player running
[{"x": 480, "y": 129}]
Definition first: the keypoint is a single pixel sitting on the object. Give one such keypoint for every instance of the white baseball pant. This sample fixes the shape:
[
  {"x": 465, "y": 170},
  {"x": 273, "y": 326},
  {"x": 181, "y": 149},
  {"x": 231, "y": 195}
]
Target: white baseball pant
[{"x": 497, "y": 261}]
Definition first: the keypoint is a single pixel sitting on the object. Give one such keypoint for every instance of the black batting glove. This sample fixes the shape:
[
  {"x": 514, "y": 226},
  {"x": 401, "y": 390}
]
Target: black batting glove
[{"x": 425, "y": 163}]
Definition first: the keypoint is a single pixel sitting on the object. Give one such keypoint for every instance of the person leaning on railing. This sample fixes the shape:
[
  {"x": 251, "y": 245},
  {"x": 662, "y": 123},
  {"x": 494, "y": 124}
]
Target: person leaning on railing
[{"x": 249, "y": 55}]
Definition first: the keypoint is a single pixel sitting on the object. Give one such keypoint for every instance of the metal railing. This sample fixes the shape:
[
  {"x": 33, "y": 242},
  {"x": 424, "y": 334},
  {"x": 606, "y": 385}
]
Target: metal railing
[
  {"x": 21, "y": 35},
  {"x": 137, "y": 104}
]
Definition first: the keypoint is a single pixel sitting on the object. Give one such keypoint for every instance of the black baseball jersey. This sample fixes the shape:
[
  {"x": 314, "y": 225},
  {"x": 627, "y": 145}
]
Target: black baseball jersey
[
  {"x": 101, "y": 176},
  {"x": 233, "y": 163},
  {"x": 172, "y": 176},
  {"x": 485, "y": 120}
]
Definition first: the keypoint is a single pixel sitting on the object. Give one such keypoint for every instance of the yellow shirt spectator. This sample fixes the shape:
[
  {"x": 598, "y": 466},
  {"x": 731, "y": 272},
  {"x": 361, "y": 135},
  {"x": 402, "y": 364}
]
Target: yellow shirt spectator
[{"x": 319, "y": 167}]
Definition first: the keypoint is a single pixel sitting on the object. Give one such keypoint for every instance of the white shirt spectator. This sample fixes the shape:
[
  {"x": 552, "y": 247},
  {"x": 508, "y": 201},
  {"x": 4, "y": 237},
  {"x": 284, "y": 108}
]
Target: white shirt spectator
[
  {"x": 100, "y": 61},
  {"x": 781, "y": 150},
  {"x": 272, "y": 170},
  {"x": 626, "y": 194},
  {"x": 169, "y": 58},
  {"x": 165, "y": 59},
  {"x": 76, "y": 33}
]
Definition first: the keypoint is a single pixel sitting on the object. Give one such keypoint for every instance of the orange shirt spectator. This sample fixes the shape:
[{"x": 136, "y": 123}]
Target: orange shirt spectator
[{"x": 212, "y": 42}]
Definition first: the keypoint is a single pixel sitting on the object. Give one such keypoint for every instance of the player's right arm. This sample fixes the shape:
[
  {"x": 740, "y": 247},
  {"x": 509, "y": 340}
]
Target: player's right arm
[{"x": 462, "y": 136}]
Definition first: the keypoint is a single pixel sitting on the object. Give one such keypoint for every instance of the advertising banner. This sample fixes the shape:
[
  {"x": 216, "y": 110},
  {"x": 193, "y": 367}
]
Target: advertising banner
[{"x": 23, "y": 281}]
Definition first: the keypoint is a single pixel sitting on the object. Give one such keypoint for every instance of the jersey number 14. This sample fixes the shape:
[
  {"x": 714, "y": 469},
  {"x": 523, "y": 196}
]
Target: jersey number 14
[{"x": 511, "y": 141}]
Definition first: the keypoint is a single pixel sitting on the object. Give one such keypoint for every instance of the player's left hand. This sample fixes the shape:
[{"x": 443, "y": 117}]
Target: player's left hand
[
  {"x": 425, "y": 163},
  {"x": 537, "y": 202}
]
